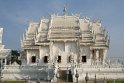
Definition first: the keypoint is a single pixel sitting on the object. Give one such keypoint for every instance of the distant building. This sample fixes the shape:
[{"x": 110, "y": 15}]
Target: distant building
[{"x": 4, "y": 53}]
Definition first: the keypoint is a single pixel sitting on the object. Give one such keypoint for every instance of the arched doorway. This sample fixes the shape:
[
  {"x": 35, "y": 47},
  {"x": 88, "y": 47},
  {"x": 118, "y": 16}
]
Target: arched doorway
[{"x": 45, "y": 59}]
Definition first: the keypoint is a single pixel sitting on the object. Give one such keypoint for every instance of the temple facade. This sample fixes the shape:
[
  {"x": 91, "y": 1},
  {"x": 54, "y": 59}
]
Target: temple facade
[
  {"x": 68, "y": 42},
  {"x": 66, "y": 39}
]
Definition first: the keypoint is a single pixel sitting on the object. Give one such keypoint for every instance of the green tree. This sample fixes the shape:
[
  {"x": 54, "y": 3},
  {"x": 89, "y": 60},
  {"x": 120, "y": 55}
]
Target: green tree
[{"x": 14, "y": 56}]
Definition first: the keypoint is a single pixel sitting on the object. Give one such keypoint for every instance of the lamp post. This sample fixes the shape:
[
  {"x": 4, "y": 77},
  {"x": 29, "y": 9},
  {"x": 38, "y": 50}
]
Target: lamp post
[
  {"x": 104, "y": 81},
  {"x": 86, "y": 78},
  {"x": 114, "y": 81},
  {"x": 38, "y": 80},
  {"x": 0, "y": 75},
  {"x": 67, "y": 72},
  {"x": 37, "y": 76},
  {"x": 48, "y": 77},
  {"x": 57, "y": 75},
  {"x": 26, "y": 79},
  {"x": 95, "y": 81},
  {"x": 76, "y": 75},
  {"x": 1, "y": 67}
]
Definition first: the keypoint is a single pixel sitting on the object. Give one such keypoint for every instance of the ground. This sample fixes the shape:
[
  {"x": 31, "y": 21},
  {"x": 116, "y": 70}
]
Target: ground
[
  {"x": 14, "y": 82},
  {"x": 100, "y": 81}
]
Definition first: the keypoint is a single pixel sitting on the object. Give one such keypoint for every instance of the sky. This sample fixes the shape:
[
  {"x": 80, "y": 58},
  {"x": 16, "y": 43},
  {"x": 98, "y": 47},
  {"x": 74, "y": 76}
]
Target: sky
[{"x": 15, "y": 16}]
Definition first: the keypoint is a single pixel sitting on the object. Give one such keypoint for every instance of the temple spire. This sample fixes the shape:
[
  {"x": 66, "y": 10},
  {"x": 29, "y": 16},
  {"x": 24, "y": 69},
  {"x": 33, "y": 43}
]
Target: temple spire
[{"x": 65, "y": 10}]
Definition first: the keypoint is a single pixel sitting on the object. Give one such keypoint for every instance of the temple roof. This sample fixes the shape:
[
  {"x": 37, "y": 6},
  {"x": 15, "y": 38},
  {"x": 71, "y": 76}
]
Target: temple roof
[
  {"x": 64, "y": 21},
  {"x": 32, "y": 28},
  {"x": 85, "y": 24},
  {"x": 44, "y": 24},
  {"x": 66, "y": 27}
]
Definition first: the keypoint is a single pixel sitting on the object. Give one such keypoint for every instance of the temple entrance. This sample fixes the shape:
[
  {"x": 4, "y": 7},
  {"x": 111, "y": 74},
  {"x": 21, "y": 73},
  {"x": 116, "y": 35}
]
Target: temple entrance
[
  {"x": 33, "y": 59},
  {"x": 84, "y": 59},
  {"x": 63, "y": 76},
  {"x": 45, "y": 59}
]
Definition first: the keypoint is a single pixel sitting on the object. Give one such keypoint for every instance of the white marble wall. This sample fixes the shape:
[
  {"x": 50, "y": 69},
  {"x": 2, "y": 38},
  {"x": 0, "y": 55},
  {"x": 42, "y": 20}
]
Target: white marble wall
[
  {"x": 31, "y": 53},
  {"x": 85, "y": 51},
  {"x": 58, "y": 49},
  {"x": 44, "y": 51},
  {"x": 99, "y": 56},
  {"x": 71, "y": 50},
  {"x": 64, "y": 49}
]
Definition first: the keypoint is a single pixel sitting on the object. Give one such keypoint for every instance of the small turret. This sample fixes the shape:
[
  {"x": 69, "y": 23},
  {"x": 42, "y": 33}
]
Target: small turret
[
  {"x": 96, "y": 26},
  {"x": 86, "y": 34},
  {"x": 99, "y": 33}
]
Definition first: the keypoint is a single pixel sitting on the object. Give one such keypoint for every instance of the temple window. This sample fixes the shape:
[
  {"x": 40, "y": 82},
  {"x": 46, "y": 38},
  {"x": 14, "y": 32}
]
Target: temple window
[
  {"x": 33, "y": 59},
  {"x": 45, "y": 59},
  {"x": 83, "y": 58},
  {"x": 59, "y": 59}
]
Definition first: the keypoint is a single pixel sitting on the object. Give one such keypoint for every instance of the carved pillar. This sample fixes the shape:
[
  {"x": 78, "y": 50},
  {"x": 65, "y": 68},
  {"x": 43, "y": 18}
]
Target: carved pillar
[
  {"x": 80, "y": 59},
  {"x": 104, "y": 56},
  {"x": 78, "y": 51},
  {"x": 66, "y": 53},
  {"x": 40, "y": 53},
  {"x": 97, "y": 56},
  {"x": 5, "y": 61},
  {"x": 91, "y": 57},
  {"x": 101, "y": 56},
  {"x": 28, "y": 57},
  {"x": 51, "y": 51},
  {"x": 1, "y": 61}
]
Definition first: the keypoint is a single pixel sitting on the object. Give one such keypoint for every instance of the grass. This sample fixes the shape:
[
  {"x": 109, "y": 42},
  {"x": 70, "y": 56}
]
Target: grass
[{"x": 116, "y": 81}]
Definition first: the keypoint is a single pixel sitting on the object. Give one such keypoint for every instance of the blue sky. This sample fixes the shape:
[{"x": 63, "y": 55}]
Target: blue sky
[{"x": 15, "y": 16}]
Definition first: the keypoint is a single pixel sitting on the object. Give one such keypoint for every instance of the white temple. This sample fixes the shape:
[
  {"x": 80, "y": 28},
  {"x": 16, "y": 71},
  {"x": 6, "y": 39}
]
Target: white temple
[
  {"x": 65, "y": 39},
  {"x": 64, "y": 43}
]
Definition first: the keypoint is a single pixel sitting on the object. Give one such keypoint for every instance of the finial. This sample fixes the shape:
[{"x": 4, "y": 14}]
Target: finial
[{"x": 65, "y": 10}]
